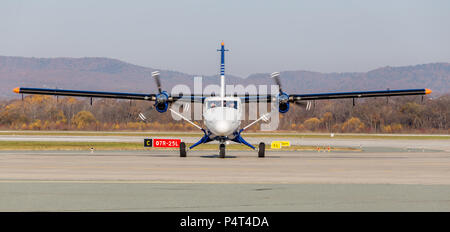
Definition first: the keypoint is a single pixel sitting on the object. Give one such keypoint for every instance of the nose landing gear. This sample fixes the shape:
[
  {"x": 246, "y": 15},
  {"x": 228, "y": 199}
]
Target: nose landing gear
[{"x": 222, "y": 150}]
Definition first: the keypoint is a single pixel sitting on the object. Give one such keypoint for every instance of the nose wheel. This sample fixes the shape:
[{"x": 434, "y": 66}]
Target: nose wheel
[{"x": 222, "y": 150}]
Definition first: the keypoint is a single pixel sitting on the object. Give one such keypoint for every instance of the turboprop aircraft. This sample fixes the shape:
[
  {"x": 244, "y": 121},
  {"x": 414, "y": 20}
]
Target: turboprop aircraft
[{"x": 218, "y": 127}]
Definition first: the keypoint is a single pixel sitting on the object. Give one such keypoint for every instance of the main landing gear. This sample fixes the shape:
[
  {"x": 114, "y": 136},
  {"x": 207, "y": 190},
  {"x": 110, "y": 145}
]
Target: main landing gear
[
  {"x": 182, "y": 149},
  {"x": 261, "y": 150}
]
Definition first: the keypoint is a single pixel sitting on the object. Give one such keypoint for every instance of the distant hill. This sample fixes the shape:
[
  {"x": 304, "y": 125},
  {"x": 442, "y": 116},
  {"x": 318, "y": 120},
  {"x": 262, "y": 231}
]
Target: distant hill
[
  {"x": 435, "y": 76},
  {"x": 106, "y": 74}
]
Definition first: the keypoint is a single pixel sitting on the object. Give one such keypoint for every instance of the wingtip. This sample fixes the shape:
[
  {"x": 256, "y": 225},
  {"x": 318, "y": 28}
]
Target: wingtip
[
  {"x": 428, "y": 91},
  {"x": 16, "y": 90}
]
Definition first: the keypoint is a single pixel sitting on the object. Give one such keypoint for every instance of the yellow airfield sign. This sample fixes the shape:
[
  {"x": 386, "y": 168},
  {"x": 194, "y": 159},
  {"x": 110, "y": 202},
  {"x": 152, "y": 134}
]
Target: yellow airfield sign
[
  {"x": 285, "y": 143},
  {"x": 275, "y": 145},
  {"x": 280, "y": 144}
]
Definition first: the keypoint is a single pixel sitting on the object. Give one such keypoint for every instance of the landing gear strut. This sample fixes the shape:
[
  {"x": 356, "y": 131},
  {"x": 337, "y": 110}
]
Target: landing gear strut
[
  {"x": 222, "y": 150},
  {"x": 182, "y": 149},
  {"x": 261, "y": 150}
]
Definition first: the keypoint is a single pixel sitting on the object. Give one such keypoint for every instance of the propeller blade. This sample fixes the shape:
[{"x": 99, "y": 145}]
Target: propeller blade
[
  {"x": 155, "y": 75},
  {"x": 266, "y": 117},
  {"x": 302, "y": 104},
  {"x": 186, "y": 107},
  {"x": 276, "y": 77},
  {"x": 307, "y": 105},
  {"x": 142, "y": 117}
]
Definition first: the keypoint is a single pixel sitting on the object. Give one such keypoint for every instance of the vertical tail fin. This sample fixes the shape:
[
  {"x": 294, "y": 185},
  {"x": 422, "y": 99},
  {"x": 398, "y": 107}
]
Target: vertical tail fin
[{"x": 222, "y": 69}]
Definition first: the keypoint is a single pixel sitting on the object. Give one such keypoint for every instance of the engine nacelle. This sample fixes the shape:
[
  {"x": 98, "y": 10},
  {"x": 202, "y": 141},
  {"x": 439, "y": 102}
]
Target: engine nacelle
[
  {"x": 283, "y": 102},
  {"x": 161, "y": 103},
  {"x": 161, "y": 107}
]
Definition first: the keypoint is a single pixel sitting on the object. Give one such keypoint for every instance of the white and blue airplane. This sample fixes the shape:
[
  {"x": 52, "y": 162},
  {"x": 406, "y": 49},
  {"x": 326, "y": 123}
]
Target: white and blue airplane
[{"x": 222, "y": 114}]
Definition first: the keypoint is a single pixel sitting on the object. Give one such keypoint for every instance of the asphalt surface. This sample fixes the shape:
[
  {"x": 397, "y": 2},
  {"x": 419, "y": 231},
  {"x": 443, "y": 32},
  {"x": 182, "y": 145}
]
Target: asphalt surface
[
  {"x": 100, "y": 196},
  {"x": 239, "y": 167},
  {"x": 400, "y": 175}
]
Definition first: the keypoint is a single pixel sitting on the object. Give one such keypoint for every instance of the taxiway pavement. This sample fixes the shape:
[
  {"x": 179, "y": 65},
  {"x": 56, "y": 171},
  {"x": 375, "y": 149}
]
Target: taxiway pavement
[
  {"x": 386, "y": 176},
  {"x": 239, "y": 167}
]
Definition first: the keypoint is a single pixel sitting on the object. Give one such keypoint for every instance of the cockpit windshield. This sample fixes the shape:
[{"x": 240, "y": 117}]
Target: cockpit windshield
[
  {"x": 213, "y": 104},
  {"x": 230, "y": 104}
]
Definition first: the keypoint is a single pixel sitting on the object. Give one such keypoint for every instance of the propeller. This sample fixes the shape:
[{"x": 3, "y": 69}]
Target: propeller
[
  {"x": 265, "y": 117},
  {"x": 155, "y": 75},
  {"x": 162, "y": 98},
  {"x": 282, "y": 98},
  {"x": 302, "y": 104},
  {"x": 276, "y": 77},
  {"x": 142, "y": 117},
  {"x": 307, "y": 105}
]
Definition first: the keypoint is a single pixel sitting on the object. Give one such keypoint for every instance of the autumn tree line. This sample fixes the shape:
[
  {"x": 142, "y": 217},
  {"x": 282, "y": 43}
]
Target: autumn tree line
[{"x": 412, "y": 114}]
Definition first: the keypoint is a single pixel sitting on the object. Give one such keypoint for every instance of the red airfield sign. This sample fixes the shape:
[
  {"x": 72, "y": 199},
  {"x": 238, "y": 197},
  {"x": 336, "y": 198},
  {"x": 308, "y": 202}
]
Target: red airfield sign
[{"x": 166, "y": 142}]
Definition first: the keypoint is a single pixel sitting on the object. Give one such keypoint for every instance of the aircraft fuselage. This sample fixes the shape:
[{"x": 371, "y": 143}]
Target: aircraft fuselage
[{"x": 222, "y": 115}]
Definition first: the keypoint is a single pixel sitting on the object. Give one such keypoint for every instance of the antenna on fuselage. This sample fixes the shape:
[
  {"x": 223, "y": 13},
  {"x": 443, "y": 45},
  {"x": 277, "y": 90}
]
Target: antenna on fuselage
[{"x": 222, "y": 69}]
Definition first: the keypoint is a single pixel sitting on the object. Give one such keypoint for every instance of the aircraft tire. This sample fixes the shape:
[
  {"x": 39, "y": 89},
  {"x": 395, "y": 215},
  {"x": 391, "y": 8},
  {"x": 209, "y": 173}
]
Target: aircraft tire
[
  {"x": 182, "y": 149},
  {"x": 261, "y": 150},
  {"x": 222, "y": 151}
]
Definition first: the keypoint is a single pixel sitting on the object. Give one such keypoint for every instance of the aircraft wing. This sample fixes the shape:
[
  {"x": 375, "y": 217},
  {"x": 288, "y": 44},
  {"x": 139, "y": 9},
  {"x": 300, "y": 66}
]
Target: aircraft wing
[
  {"x": 99, "y": 94},
  {"x": 363, "y": 94},
  {"x": 257, "y": 98},
  {"x": 325, "y": 96},
  {"x": 80, "y": 93},
  {"x": 200, "y": 98},
  {"x": 189, "y": 98}
]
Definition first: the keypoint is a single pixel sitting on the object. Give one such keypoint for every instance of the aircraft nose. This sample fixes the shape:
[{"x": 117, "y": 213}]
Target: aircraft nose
[{"x": 222, "y": 127}]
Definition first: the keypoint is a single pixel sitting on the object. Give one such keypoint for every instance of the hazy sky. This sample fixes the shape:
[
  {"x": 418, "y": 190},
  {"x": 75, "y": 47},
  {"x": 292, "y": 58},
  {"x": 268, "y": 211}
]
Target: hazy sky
[{"x": 263, "y": 36}]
